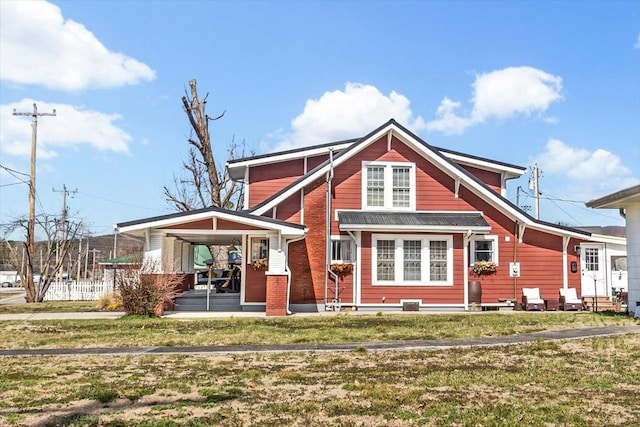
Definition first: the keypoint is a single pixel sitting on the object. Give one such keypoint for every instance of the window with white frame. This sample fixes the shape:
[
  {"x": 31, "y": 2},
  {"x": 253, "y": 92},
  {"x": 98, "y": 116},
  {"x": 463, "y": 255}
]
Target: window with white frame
[
  {"x": 259, "y": 248},
  {"x": 341, "y": 249},
  {"x": 412, "y": 260},
  {"x": 484, "y": 248},
  {"x": 388, "y": 185}
]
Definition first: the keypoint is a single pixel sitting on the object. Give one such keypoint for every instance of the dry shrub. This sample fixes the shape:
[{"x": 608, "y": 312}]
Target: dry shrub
[
  {"x": 142, "y": 290},
  {"x": 110, "y": 301}
]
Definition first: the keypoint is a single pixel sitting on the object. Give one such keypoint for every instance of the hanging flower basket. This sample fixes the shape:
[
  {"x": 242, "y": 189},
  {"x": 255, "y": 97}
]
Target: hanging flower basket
[
  {"x": 342, "y": 269},
  {"x": 484, "y": 268},
  {"x": 260, "y": 264}
]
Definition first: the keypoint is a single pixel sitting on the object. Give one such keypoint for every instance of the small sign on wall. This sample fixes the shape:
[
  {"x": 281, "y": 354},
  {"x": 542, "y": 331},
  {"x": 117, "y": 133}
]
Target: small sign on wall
[{"x": 514, "y": 269}]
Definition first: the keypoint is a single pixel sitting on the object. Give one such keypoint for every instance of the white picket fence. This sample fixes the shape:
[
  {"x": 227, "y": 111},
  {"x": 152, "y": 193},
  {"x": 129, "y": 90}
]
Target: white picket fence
[{"x": 77, "y": 291}]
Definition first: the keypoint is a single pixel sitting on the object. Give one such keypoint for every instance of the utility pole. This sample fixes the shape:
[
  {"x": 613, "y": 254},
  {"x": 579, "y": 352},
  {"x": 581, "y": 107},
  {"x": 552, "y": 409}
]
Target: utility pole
[
  {"x": 63, "y": 220},
  {"x": 32, "y": 199},
  {"x": 536, "y": 189}
]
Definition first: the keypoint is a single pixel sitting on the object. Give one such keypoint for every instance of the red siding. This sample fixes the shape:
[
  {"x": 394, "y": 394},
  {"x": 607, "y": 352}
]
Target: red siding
[
  {"x": 540, "y": 254},
  {"x": 289, "y": 210},
  {"x": 307, "y": 257},
  {"x": 207, "y": 224},
  {"x": 266, "y": 180},
  {"x": 255, "y": 285},
  {"x": 492, "y": 179}
]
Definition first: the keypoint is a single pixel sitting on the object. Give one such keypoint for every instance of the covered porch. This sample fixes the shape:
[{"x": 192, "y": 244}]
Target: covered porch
[{"x": 257, "y": 275}]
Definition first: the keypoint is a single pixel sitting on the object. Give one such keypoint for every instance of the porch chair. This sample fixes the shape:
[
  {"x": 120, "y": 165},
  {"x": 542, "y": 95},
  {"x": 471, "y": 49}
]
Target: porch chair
[
  {"x": 569, "y": 300},
  {"x": 531, "y": 299}
]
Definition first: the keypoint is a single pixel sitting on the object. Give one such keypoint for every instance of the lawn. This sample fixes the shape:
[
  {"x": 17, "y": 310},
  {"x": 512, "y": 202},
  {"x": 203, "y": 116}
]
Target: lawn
[
  {"x": 144, "y": 331},
  {"x": 583, "y": 382},
  {"x": 572, "y": 383}
]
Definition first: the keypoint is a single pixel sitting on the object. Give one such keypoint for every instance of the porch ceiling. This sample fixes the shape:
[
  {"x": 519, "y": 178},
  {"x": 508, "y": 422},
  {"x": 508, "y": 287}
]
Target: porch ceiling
[{"x": 215, "y": 238}]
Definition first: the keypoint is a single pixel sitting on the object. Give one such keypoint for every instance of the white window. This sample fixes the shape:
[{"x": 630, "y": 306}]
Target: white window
[
  {"x": 341, "y": 250},
  {"x": 259, "y": 248},
  {"x": 412, "y": 260},
  {"x": 388, "y": 185},
  {"x": 484, "y": 248}
]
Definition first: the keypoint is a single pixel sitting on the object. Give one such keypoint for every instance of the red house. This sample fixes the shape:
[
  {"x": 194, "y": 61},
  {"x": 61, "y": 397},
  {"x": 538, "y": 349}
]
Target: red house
[{"x": 386, "y": 221}]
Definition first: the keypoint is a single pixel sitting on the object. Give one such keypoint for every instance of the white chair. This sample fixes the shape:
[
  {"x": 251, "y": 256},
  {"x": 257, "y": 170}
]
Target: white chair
[
  {"x": 569, "y": 299},
  {"x": 531, "y": 299}
]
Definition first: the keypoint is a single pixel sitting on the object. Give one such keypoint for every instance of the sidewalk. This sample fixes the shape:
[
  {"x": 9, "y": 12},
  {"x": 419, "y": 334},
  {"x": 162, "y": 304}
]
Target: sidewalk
[{"x": 441, "y": 344}]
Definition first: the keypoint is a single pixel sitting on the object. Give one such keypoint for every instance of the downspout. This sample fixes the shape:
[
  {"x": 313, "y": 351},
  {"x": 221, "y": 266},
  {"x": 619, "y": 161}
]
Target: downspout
[
  {"x": 355, "y": 277},
  {"x": 623, "y": 213},
  {"x": 327, "y": 254},
  {"x": 466, "y": 262},
  {"x": 288, "y": 271},
  {"x": 515, "y": 259}
]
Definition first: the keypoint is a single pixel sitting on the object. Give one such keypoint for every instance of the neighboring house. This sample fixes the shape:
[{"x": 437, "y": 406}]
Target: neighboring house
[
  {"x": 410, "y": 218},
  {"x": 628, "y": 202}
]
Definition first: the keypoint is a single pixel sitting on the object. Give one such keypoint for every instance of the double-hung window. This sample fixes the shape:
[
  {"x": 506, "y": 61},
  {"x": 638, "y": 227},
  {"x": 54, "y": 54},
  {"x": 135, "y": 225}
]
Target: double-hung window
[
  {"x": 484, "y": 248},
  {"x": 388, "y": 185},
  {"x": 341, "y": 250},
  {"x": 410, "y": 260},
  {"x": 259, "y": 248}
]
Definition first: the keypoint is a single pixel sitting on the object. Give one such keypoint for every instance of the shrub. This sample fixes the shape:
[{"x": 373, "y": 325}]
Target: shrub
[
  {"x": 110, "y": 301},
  {"x": 142, "y": 291}
]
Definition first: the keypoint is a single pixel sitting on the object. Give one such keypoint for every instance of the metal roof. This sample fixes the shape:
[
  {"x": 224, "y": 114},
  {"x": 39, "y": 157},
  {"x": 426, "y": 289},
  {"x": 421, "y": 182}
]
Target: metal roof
[{"x": 412, "y": 220}]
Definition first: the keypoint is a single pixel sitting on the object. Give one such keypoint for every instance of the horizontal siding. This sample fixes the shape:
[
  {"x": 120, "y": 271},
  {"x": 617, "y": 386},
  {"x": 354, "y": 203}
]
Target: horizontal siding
[
  {"x": 207, "y": 224},
  {"x": 289, "y": 210},
  {"x": 266, "y": 180},
  {"x": 255, "y": 285},
  {"x": 492, "y": 179}
]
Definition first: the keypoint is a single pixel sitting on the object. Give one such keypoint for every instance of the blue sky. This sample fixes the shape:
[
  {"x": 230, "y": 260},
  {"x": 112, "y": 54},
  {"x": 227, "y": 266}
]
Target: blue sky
[{"x": 557, "y": 83}]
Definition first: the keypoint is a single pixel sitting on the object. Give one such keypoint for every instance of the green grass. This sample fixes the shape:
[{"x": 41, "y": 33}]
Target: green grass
[
  {"x": 144, "y": 331},
  {"x": 9, "y": 294},
  {"x": 575, "y": 383},
  {"x": 49, "y": 307}
]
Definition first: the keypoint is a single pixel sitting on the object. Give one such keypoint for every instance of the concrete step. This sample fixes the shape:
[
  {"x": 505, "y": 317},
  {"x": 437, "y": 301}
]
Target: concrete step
[{"x": 197, "y": 301}]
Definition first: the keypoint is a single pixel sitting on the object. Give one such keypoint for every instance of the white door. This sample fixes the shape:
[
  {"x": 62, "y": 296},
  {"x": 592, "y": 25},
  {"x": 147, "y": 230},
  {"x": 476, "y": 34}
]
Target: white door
[{"x": 593, "y": 277}]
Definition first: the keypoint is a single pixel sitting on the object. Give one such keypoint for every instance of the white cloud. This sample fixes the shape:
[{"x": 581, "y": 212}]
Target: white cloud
[
  {"x": 70, "y": 128},
  {"x": 637, "y": 45},
  {"x": 499, "y": 95},
  {"x": 38, "y": 46},
  {"x": 586, "y": 173},
  {"x": 348, "y": 114}
]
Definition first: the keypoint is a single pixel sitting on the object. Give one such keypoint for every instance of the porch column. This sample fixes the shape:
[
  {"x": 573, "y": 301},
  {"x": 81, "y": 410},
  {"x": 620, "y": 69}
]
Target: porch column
[{"x": 276, "y": 302}]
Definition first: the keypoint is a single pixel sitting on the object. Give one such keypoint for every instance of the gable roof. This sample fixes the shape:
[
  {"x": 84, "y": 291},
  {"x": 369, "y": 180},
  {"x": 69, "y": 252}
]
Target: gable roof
[
  {"x": 439, "y": 159},
  {"x": 618, "y": 199},
  {"x": 236, "y": 167},
  {"x": 242, "y": 217}
]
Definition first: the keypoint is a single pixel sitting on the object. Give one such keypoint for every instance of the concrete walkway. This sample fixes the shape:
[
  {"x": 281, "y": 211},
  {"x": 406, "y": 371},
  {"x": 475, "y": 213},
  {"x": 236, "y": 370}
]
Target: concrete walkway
[{"x": 565, "y": 334}]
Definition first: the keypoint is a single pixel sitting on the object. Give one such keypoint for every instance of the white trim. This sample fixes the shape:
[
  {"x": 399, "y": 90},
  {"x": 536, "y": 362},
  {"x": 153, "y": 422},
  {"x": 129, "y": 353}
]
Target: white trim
[
  {"x": 257, "y": 222},
  {"x": 320, "y": 173},
  {"x": 343, "y": 238},
  {"x": 565, "y": 262},
  {"x": 482, "y": 237},
  {"x": 246, "y": 186},
  {"x": 425, "y": 280},
  {"x": 450, "y": 169},
  {"x": 415, "y": 228},
  {"x": 388, "y": 185},
  {"x": 459, "y": 158},
  {"x": 267, "y": 160}
]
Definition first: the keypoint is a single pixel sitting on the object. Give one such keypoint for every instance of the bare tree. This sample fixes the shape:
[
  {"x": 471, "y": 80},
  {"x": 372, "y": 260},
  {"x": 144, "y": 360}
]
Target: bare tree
[
  {"x": 204, "y": 182},
  {"x": 57, "y": 244}
]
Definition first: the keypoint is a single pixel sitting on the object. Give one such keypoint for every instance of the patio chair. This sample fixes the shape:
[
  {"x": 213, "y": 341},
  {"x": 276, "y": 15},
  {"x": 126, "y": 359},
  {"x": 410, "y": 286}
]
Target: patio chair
[
  {"x": 569, "y": 299},
  {"x": 531, "y": 299}
]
